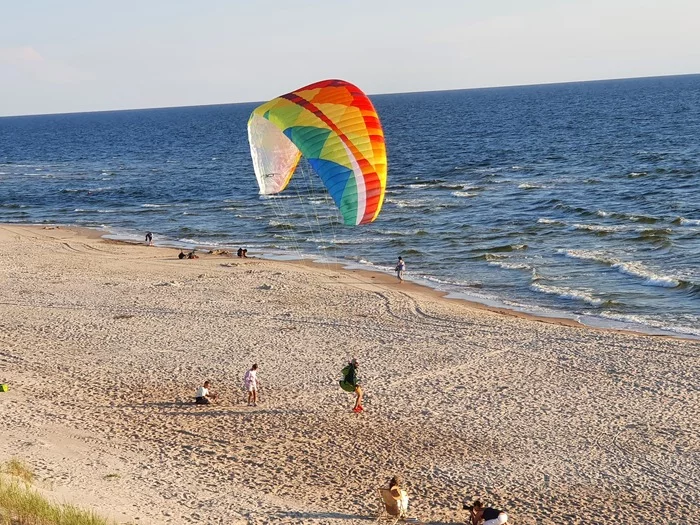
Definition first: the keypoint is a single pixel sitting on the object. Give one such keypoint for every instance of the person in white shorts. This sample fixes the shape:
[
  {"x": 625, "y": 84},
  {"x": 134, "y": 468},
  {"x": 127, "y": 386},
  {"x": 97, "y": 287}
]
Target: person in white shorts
[
  {"x": 489, "y": 515},
  {"x": 250, "y": 381}
]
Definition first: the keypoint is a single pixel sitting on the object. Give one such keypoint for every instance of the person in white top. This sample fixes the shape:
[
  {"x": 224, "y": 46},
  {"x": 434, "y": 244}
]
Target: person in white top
[
  {"x": 251, "y": 384},
  {"x": 203, "y": 396}
]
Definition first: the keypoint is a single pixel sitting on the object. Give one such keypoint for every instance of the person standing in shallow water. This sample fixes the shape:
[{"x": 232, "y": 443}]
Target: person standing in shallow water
[
  {"x": 400, "y": 269},
  {"x": 149, "y": 238}
]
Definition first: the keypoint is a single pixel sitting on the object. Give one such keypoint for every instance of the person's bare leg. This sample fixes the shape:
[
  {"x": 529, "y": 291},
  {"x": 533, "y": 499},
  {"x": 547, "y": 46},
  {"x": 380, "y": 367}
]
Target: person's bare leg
[{"x": 255, "y": 397}]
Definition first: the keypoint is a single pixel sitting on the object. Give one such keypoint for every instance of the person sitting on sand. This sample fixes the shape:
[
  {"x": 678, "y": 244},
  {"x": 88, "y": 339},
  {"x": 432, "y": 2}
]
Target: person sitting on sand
[
  {"x": 181, "y": 255},
  {"x": 490, "y": 515},
  {"x": 203, "y": 396},
  {"x": 192, "y": 255},
  {"x": 250, "y": 381},
  {"x": 399, "y": 494},
  {"x": 240, "y": 252}
]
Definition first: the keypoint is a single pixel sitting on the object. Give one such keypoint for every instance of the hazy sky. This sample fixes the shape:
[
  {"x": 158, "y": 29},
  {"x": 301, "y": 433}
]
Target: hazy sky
[{"x": 93, "y": 55}]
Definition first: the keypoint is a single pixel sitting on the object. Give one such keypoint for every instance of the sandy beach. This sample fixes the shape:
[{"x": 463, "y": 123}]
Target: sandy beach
[{"x": 103, "y": 345}]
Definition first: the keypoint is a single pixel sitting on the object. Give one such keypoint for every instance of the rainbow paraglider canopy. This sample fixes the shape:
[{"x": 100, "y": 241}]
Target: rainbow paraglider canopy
[{"x": 336, "y": 128}]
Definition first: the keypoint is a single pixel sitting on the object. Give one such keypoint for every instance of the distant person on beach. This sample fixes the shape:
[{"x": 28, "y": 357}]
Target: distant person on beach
[
  {"x": 351, "y": 383},
  {"x": 203, "y": 396},
  {"x": 400, "y": 269},
  {"x": 490, "y": 516},
  {"x": 250, "y": 382},
  {"x": 399, "y": 494},
  {"x": 181, "y": 255},
  {"x": 242, "y": 252},
  {"x": 149, "y": 238},
  {"x": 192, "y": 255}
]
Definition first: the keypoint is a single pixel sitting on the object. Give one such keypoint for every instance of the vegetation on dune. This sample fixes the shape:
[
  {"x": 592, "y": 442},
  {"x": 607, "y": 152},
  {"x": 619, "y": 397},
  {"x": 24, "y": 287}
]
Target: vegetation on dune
[{"x": 20, "y": 504}]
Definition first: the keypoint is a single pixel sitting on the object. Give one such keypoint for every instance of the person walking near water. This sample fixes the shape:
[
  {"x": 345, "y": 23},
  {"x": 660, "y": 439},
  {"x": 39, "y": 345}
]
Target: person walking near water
[
  {"x": 250, "y": 381},
  {"x": 400, "y": 269},
  {"x": 149, "y": 238}
]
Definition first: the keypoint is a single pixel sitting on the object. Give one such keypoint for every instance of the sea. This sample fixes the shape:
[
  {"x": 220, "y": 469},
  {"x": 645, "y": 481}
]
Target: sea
[{"x": 577, "y": 200}]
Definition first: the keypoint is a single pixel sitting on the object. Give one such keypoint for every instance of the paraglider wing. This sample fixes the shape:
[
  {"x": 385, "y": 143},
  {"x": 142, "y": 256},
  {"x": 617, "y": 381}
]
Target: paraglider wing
[{"x": 336, "y": 128}]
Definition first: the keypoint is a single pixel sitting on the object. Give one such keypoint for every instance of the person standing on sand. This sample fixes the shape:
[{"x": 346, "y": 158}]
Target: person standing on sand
[
  {"x": 250, "y": 381},
  {"x": 400, "y": 269},
  {"x": 351, "y": 383},
  {"x": 149, "y": 238}
]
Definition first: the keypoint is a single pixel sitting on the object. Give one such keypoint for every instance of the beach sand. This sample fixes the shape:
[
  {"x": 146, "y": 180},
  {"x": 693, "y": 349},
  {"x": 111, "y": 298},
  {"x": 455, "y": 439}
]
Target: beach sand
[{"x": 104, "y": 343}]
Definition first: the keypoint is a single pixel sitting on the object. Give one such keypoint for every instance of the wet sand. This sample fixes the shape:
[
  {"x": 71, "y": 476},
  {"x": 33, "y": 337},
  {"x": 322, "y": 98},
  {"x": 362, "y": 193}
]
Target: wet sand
[{"x": 104, "y": 343}]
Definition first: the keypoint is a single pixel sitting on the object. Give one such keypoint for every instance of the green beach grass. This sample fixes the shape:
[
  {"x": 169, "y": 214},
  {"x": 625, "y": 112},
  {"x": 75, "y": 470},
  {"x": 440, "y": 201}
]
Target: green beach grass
[{"x": 20, "y": 504}]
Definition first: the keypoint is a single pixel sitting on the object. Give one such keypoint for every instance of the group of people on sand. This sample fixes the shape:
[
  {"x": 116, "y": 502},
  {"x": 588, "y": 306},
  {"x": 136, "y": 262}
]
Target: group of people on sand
[
  {"x": 478, "y": 513},
  {"x": 190, "y": 255},
  {"x": 204, "y": 396}
]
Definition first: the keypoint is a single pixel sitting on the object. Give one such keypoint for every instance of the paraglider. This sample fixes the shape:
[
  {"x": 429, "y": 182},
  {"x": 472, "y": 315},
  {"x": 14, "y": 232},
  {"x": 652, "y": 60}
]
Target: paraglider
[{"x": 335, "y": 127}]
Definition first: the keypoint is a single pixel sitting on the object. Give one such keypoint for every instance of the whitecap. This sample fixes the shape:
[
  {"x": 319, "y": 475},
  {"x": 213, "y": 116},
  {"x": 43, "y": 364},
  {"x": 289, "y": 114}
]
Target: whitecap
[
  {"x": 544, "y": 220},
  {"x": 463, "y": 194},
  {"x": 567, "y": 293},
  {"x": 689, "y": 222},
  {"x": 637, "y": 269},
  {"x": 598, "y": 228},
  {"x": 510, "y": 265},
  {"x": 530, "y": 186}
]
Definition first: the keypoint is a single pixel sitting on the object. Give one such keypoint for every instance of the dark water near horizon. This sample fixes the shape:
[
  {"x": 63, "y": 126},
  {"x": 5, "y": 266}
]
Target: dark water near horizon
[{"x": 578, "y": 199}]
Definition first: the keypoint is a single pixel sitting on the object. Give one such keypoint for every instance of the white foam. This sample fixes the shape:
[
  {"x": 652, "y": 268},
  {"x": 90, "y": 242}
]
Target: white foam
[
  {"x": 510, "y": 265},
  {"x": 530, "y": 186},
  {"x": 598, "y": 228},
  {"x": 463, "y": 194},
  {"x": 639, "y": 320},
  {"x": 567, "y": 293},
  {"x": 156, "y": 205},
  {"x": 689, "y": 222},
  {"x": 586, "y": 255},
  {"x": 544, "y": 220},
  {"x": 637, "y": 269}
]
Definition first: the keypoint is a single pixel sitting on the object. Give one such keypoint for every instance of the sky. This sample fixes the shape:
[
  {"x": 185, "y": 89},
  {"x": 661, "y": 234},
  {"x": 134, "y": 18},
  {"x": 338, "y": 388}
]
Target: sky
[{"x": 79, "y": 55}]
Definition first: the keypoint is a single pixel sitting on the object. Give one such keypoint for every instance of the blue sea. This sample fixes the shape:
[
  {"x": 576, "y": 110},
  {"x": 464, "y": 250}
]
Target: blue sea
[{"x": 579, "y": 200}]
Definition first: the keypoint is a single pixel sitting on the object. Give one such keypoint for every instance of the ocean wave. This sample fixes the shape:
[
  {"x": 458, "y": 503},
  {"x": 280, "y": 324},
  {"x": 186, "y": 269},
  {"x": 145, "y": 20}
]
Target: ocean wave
[
  {"x": 506, "y": 248},
  {"x": 598, "y": 228},
  {"x": 544, "y": 220},
  {"x": 651, "y": 323},
  {"x": 510, "y": 265},
  {"x": 650, "y": 278},
  {"x": 463, "y": 194},
  {"x": 635, "y": 217},
  {"x": 156, "y": 205},
  {"x": 633, "y": 268},
  {"x": 530, "y": 186},
  {"x": 407, "y": 204},
  {"x": 567, "y": 293},
  {"x": 277, "y": 224},
  {"x": 636, "y": 174},
  {"x": 687, "y": 222}
]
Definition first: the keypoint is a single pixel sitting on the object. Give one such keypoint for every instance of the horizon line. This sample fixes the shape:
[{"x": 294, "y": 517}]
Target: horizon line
[{"x": 210, "y": 104}]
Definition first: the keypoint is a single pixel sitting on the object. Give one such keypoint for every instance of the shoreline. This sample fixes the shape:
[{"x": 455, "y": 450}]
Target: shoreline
[{"x": 384, "y": 279}]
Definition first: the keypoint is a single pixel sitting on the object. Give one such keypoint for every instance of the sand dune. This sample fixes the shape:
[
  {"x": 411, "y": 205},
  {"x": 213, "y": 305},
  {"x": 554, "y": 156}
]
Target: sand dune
[{"x": 103, "y": 345}]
